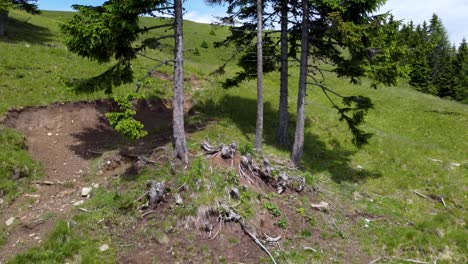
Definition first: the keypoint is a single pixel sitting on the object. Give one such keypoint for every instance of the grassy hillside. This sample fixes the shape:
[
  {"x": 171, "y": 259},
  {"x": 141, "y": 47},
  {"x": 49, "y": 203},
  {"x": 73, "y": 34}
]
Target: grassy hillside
[{"x": 420, "y": 142}]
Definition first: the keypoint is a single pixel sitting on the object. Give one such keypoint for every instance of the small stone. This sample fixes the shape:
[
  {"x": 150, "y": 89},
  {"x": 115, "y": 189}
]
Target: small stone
[
  {"x": 235, "y": 193},
  {"x": 32, "y": 195},
  {"x": 78, "y": 203},
  {"x": 49, "y": 134},
  {"x": 36, "y": 238},
  {"x": 322, "y": 206},
  {"x": 163, "y": 239},
  {"x": 1, "y": 201},
  {"x": 366, "y": 223},
  {"x": 454, "y": 165},
  {"x": 103, "y": 248},
  {"x": 359, "y": 167},
  {"x": 96, "y": 185},
  {"x": 86, "y": 191},
  {"x": 178, "y": 199},
  {"x": 33, "y": 234},
  {"x": 10, "y": 221},
  {"x": 357, "y": 196}
]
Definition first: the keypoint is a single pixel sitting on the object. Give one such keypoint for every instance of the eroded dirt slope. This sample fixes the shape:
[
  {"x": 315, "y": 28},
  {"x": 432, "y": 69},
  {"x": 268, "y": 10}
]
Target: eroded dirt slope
[{"x": 65, "y": 137}]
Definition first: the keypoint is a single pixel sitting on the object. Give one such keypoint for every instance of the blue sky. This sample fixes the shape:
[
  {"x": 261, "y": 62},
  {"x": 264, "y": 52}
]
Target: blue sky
[{"x": 454, "y": 13}]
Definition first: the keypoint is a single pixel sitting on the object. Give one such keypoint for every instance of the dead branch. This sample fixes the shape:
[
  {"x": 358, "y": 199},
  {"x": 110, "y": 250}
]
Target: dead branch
[
  {"x": 147, "y": 213},
  {"x": 255, "y": 239},
  {"x": 270, "y": 239},
  {"x": 415, "y": 261},
  {"x": 420, "y": 194}
]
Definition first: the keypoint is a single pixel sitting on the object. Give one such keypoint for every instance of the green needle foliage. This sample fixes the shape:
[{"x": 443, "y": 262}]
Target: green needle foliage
[{"x": 124, "y": 121}]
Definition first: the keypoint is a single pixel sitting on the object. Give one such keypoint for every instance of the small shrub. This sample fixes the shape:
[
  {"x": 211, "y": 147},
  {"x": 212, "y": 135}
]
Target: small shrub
[
  {"x": 246, "y": 148},
  {"x": 273, "y": 208},
  {"x": 306, "y": 233},
  {"x": 124, "y": 121},
  {"x": 283, "y": 223},
  {"x": 204, "y": 45},
  {"x": 212, "y": 32}
]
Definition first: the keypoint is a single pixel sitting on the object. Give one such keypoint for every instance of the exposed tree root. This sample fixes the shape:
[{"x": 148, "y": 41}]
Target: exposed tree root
[{"x": 254, "y": 173}]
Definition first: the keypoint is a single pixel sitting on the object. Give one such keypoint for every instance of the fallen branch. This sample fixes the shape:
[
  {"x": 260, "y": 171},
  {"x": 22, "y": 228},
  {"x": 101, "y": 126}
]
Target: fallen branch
[
  {"x": 270, "y": 239},
  {"x": 147, "y": 213},
  {"x": 311, "y": 249},
  {"x": 415, "y": 261},
  {"x": 420, "y": 194},
  {"x": 255, "y": 239},
  {"x": 44, "y": 182}
]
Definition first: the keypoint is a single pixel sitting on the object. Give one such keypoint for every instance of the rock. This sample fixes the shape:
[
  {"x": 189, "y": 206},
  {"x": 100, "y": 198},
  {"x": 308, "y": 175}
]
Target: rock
[
  {"x": 86, "y": 192},
  {"x": 32, "y": 195},
  {"x": 78, "y": 203},
  {"x": 225, "y": 152},
  {"x": 454, "y": 165},
  {"x": 96, "y": 185},
  {"x": 16, "y": 175},
  {"x": 359, "y": 167},
  {"x": 178, "y": 199},
  {"x": 366, "y": 223},
  {"x": 357, "y": 196},
  {"x": 1, "y": 201},
  {"x": 322, "y": 206},
  {"x": 163, "y": 239},
  {"x": 103, "y": 248},
  {"x": 49, "y": 134},
  {"x": 235, "y": 193},
  {"x": 10, "y": 221}
]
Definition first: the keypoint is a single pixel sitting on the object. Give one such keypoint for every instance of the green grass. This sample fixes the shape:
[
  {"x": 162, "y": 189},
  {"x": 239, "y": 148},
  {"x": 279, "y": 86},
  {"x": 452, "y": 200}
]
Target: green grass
[
  {"x": 17, "y": 168},
  {"x": 410, "y": 129}
]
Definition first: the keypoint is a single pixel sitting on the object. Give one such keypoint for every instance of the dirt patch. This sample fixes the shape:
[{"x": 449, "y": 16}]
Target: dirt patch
[
  {"x": 65, "y": 137},
  {"x": 193, "y": 80}
]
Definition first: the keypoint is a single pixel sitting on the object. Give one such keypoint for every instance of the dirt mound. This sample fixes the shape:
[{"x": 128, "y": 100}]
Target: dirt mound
[{"x": 64, "y": 137}]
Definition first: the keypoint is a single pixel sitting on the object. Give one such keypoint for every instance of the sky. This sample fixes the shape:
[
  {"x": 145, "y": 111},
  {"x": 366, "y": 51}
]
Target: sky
[{"x": 454, "y": 13}]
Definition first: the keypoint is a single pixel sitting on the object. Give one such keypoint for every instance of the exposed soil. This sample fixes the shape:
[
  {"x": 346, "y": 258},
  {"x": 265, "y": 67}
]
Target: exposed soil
[{"x": 64, "y": 137}]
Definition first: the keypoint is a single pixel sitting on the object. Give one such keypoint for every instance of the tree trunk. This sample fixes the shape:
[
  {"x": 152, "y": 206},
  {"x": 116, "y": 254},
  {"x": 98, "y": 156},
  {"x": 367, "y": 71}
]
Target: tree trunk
[
  {"x": 299, "y": 136},
  {"x": 259, "y": 126},
  {"x": 180, "y": 144},
  {"x": 283, "y": 136},
  {"x": 3, "y": 23}
]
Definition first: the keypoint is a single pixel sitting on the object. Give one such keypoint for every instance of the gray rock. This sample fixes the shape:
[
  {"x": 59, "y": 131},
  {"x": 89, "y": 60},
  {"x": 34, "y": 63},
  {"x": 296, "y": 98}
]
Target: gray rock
[
  {"x": 235, "y": 194},
  {"x": 10, "y": 221}
]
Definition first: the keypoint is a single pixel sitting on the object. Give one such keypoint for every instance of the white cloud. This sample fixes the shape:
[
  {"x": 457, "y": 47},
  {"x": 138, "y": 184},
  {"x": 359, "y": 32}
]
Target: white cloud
[
  {"x": 200, "y": 18},
  {"x": 454, "y": 14}
]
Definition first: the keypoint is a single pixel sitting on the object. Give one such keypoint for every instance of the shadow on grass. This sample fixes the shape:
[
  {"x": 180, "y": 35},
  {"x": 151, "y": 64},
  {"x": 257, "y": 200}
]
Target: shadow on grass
[
  {"x": 19, "y": 30},
  {"x": 317, "y": 157}
]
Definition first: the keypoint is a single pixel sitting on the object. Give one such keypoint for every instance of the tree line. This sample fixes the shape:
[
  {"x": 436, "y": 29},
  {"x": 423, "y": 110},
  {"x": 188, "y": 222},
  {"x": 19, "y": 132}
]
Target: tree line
[{"x": 436, "y": 66}]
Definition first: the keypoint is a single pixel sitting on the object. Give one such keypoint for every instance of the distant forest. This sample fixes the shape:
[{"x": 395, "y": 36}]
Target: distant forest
[{"x": 436, "y": 66}]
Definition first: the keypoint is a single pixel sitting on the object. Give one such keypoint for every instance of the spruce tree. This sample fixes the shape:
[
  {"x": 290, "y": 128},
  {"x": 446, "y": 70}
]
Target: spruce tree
[
  {"x": 29, "y": 6},
  {"x": 111, "y": 31}
]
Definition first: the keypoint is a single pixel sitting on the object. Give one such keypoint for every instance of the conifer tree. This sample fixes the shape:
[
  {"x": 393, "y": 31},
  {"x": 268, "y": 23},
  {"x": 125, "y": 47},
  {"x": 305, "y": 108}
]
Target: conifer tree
[
  {"x": 29, "y": 6},
  {"x": 111, "y": 30}
]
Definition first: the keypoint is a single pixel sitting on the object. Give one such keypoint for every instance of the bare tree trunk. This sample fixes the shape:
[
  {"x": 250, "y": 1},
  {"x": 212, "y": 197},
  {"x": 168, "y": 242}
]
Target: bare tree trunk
[
  {"x": 180, "y": 144},
  {"x": 283, "y": 136},
  {"x": 3, "y": 23},
  {"x": 259, "y": 126},
  {"x": 299, "y": 136}
]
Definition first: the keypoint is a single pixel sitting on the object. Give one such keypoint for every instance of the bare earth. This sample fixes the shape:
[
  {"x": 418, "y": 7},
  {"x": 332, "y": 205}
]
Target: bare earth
[{"x": 64, "y": 137}]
